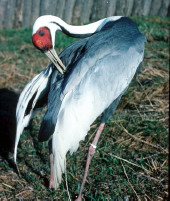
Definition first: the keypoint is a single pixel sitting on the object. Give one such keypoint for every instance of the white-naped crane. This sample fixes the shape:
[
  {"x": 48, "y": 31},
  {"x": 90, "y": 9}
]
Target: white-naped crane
[{"x": 86, "y": 80}]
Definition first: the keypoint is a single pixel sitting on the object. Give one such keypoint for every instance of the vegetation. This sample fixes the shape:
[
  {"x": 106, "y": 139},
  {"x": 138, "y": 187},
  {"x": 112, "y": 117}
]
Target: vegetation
[{"x": 131, "y": 160}]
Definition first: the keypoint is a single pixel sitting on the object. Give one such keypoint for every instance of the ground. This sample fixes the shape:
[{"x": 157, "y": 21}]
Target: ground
[{"x": 131, "y": 161}]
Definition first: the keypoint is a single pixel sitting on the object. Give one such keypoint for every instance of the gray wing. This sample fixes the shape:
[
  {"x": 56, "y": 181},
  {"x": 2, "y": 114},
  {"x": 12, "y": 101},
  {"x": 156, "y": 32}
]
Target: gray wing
[
  {"x": 87, "y": 58},
  {"x": 98, "y": 50},
  {"x": 96, "y": 81},
  {"x": 81, "y": 59}
]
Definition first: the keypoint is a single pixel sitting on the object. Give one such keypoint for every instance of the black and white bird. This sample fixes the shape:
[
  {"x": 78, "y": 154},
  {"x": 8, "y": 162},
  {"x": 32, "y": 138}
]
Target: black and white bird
[{"x": 87, "y": 79}]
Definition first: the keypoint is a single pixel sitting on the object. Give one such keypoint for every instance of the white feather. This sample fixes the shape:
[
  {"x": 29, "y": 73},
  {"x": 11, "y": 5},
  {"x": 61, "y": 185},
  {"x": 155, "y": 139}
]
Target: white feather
[{"x": 35, "y": 86}]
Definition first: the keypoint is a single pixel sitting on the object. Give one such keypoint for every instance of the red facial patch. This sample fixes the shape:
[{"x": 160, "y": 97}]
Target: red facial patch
[{"x": 42, "y": 39}]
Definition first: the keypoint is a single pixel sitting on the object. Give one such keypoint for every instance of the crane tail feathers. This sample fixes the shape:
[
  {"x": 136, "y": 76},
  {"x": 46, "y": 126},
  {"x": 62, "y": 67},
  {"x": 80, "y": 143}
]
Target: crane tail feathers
[
  {"x": 28, "y": 99},
  {"x": 59, "y": 168}
]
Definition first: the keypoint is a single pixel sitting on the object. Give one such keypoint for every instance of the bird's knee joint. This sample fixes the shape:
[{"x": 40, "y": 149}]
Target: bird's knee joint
[{"x": 92, "y": 149}]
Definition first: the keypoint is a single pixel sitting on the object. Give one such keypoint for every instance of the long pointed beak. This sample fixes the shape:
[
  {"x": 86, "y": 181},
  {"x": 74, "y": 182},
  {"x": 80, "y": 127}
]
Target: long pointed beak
[{"x": 52, "y": 55}]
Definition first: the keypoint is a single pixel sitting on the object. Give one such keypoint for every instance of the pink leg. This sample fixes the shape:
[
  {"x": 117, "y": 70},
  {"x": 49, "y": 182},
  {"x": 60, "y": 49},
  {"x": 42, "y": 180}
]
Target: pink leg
[
  {"x": 89, "y": 157},
  {"x": 51, "y": 172}
]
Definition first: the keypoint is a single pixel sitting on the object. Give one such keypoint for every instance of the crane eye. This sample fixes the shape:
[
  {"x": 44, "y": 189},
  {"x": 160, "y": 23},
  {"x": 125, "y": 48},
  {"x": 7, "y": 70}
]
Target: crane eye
[{"x": 41, "y": 33}]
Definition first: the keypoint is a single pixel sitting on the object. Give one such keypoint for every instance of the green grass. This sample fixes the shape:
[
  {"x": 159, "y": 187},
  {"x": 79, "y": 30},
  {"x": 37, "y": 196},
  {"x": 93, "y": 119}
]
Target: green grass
[{"x": 131, "y": 157}]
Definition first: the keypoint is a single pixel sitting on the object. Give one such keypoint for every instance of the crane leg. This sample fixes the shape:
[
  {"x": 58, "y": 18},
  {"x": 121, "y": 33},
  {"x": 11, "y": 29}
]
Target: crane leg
[
  {"x": 91, "y": 152},
  {"x": 51, "y": 185}
]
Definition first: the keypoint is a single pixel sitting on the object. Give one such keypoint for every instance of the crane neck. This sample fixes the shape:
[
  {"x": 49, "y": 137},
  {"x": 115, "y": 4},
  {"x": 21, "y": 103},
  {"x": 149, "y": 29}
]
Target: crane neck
[{"x": 82, "y": 31}]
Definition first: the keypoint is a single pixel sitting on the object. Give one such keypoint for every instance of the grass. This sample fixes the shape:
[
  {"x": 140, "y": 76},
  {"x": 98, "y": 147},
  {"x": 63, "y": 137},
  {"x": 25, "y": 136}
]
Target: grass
[{"x": 131, "y": 160}]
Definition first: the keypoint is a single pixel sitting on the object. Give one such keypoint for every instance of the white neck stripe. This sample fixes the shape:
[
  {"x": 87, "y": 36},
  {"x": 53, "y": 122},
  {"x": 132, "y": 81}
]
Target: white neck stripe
[{"x": 58, "y": 24}]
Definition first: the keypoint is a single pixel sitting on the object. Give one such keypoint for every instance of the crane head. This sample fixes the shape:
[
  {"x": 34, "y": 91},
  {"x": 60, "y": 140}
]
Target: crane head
[{"x": 43, "y": 38}]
